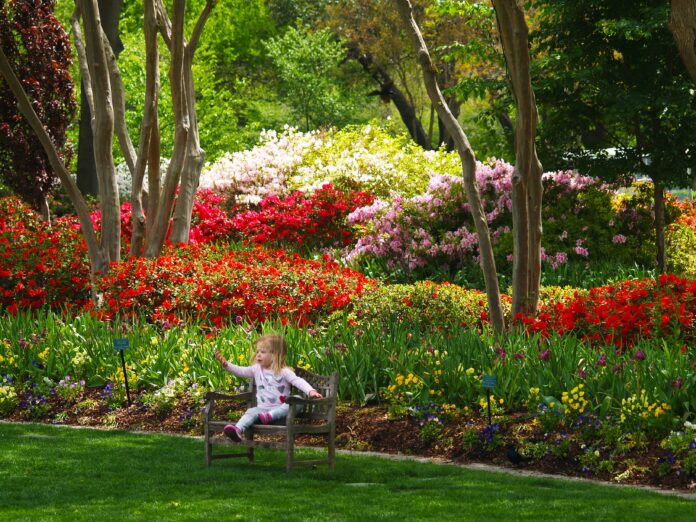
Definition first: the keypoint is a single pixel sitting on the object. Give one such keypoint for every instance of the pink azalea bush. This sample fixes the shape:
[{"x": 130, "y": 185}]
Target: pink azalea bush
[{"x": 435, "y": 229}]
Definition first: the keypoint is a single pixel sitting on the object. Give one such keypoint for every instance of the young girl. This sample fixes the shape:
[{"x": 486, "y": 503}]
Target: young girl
[{"x": 273, "y": 381}]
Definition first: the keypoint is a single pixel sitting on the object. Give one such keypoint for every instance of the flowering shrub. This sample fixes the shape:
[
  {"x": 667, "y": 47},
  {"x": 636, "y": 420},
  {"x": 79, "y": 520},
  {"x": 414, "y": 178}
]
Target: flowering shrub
[
  {"x": 621, "y": 314},
  {"x": 680, "y": 242},
  {"x": 371, "y": 158},
  {"x": 434, "y": 231},
  {"x": 687, "y": 213},
  {"x": 367, "y": 158},
  {"x": 262, "y": 171},
  {"x": 316, "y": 220},
  {"x": 434, "y": 228},
  {"x": 218, "y": 286},
  {"x": 209, "y": 220},
  {"x": 39, "y": 263}
]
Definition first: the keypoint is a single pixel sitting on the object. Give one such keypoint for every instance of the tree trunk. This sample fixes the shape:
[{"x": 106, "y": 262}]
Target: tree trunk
[
  {"x": 682, "y": 24},
  {"x": 659, "y": 196},
  {"x": 148, "y": 147},
  {"x": 526, "y": 179},
  {"x": 446, "y": 138},
  {"x": 87, "y": 181},
  {"x": 158, "y": 233},
  {"x": 103, "y": 130},
  {"x": 195, "y": 157},
  {"x": 468, "y": 166}
]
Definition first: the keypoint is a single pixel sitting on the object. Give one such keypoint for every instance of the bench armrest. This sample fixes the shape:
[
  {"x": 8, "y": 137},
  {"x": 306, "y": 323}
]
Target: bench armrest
[
  {"x": 299, "y": 401},
  {"x": 227, "y": 396}
]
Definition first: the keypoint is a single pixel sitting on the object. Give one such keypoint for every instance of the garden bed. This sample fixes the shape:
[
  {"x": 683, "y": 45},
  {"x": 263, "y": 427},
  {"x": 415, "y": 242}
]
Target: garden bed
[{"x": 372, "y": 428}]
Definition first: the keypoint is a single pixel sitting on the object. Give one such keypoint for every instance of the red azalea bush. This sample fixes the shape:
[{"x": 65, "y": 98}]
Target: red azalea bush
[
  {"x": 316, "y": 220},
  {"x": 40, "y": 264},
  {"x": 209, "y": 222},
  {"x": 621, "y": 314},
  {"x": 217, "y": 286}
]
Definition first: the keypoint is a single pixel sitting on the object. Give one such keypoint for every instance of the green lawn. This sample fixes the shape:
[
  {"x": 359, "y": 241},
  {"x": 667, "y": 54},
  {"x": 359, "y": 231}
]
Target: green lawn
[{"x": 54, "y": 473}]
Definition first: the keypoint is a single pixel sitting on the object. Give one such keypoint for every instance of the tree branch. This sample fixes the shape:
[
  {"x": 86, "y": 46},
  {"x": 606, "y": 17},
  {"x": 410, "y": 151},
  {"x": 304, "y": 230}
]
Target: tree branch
[
  {"x": 82, "y": 58},
  {"x": 118, "y": 97}
]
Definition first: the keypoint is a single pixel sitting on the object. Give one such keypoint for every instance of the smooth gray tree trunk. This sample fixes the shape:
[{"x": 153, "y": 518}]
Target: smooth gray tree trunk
[{"x": 87, "y": 180}]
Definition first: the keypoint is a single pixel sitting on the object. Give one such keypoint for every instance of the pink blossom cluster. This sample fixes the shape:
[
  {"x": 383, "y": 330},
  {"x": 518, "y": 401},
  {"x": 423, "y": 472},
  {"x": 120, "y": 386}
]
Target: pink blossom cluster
[{"x": 436, "y": 227}]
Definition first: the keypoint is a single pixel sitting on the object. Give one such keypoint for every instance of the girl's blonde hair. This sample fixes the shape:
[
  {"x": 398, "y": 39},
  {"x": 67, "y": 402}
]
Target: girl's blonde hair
[{"x": 278, "y": 348}]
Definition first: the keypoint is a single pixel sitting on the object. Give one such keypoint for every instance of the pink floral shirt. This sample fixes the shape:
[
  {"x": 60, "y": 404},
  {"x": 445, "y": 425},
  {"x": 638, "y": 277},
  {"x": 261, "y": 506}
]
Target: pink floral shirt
[{"x": 271, "y": 389}]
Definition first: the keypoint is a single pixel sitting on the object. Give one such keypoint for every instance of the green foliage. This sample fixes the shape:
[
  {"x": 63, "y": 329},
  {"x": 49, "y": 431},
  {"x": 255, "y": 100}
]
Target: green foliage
[
  {"x": 681, "y": 249},
  {"x": 307, "y": 64},
  {"x": 424, "y": 305},
  {"x": 607, "y": 76}
]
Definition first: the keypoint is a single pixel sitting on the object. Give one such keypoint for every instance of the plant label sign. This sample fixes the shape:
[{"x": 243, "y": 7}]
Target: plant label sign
[
  {"x": 489, "y": 381},
  {"x": 120, "y": 344}
]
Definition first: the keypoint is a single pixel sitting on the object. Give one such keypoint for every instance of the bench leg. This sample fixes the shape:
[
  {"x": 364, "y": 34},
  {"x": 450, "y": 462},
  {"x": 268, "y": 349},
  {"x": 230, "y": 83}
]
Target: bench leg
[
  {"x": 332, "y": 448},
  {"x": 208, "y": 453},
  {"x": 250, "y": 450},
  {"x": 208, "y": 447},
  {"x": 290, "y": 451}
]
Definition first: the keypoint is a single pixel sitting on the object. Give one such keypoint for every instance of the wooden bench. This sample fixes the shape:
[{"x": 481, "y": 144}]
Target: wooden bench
[{"x": 306, "y": 416}]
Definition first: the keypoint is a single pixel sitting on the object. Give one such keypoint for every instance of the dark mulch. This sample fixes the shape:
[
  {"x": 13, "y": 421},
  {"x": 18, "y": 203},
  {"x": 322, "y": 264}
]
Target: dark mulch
[{"x": 369, "y": 428}]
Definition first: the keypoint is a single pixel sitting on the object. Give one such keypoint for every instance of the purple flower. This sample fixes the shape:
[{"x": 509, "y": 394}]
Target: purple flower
[
  {"x": 23, "y": 343},
  {"x": 545, "y": 355},
  {"x": 678, "y": 383},
  {"x": 602, "y": 361},
  {"x": 639, "y": 355}
]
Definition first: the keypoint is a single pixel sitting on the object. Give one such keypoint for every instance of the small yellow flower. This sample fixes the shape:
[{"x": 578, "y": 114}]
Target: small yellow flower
[{"x": 154, "y": 341}]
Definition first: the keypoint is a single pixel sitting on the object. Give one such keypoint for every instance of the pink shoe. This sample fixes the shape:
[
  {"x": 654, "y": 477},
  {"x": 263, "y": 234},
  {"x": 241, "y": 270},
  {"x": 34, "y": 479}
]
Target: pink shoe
[
  {"x": 233, "y": 432},
  {"x": 265, "y": 417}
]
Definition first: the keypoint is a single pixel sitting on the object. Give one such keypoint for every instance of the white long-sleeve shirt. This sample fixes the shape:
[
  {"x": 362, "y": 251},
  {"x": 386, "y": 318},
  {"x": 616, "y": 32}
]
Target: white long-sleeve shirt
[{"x": 271, "y": 389}]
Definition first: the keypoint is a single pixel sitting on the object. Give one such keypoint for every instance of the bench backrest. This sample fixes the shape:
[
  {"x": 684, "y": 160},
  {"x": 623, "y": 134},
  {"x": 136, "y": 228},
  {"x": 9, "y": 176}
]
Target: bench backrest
[{"x": 327, "y": 385}]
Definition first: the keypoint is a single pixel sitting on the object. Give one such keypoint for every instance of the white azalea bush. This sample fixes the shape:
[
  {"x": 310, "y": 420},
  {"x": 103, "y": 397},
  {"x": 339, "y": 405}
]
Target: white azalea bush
[
  {"x": 251, "y": 175},
  {"x": 366, "y": 158}
]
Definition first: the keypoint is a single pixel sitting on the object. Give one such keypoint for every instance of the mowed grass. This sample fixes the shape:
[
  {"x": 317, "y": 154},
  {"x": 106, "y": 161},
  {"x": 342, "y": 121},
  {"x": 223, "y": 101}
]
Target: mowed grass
[{"x": 58, "y": 473}]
